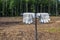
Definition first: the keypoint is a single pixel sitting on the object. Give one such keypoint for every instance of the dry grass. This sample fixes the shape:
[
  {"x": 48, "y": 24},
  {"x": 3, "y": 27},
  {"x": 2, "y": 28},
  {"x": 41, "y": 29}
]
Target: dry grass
[{"x": 12, "y": 28}]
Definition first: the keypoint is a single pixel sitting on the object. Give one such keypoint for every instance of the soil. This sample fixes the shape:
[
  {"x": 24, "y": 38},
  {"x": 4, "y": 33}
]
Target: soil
[{"x": 12, "y": 28}]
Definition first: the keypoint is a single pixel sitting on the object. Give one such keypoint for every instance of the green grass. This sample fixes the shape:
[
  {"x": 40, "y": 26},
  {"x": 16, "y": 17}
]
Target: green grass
[{"x": 50, "y": 29}]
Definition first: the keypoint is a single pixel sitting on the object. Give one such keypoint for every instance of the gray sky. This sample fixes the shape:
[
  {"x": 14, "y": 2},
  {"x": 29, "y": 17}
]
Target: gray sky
[{"x": 59, "y": 0}]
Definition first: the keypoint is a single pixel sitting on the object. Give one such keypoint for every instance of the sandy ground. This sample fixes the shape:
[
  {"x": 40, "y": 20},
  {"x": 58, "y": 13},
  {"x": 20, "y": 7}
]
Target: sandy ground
[{"x": 12, "y": 28}]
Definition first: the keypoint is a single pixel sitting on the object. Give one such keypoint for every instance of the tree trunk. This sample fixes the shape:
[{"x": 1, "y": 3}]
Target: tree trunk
[
  {"x": 3, "y": 8},
  {"x": 26, "y": 7},
  {"x": 49, "y": 7},
  {"x": 20, "y": 6},
  {"x": 41, "y": 8},
  {"x": 56, "y": 8}
]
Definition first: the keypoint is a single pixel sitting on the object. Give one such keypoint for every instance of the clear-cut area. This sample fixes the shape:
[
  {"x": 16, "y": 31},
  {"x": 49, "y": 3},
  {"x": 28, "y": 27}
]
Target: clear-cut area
[{"x": 13, "y": 28}]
